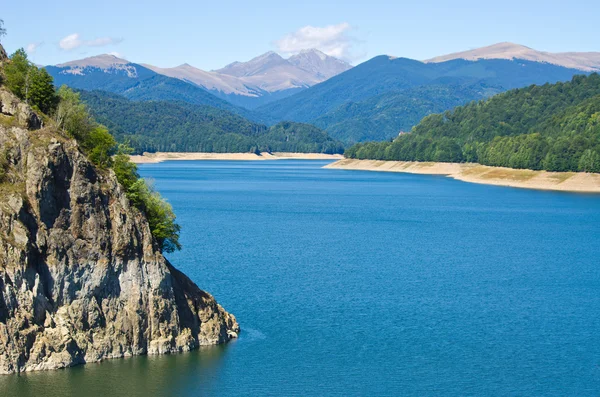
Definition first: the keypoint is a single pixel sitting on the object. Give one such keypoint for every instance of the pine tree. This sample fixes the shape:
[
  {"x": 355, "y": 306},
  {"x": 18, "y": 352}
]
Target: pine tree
[{"x": 41, "y": 91}]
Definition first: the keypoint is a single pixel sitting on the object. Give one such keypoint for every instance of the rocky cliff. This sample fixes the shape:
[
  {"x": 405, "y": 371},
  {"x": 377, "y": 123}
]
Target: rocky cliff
[{"x": 81, "y": 279}]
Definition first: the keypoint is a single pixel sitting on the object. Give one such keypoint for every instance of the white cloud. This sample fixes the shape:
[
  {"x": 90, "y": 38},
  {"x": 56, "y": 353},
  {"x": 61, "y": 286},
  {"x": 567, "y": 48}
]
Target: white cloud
[
  {"x": 74, "y": 41},
  {"x": 103, "y": 41},
  {"x": 334, "y": 40},
  {"x": 70, "y": 42},
  {"x": 31, "y": 48},
  {"x": 117, "y": 54}
]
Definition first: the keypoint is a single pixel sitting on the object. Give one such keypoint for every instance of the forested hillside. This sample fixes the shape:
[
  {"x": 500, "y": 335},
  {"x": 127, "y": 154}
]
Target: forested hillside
[
  {"x": 152, "y": 126},
  {"x": 384, "y": 116},
  {"x": 386, "y": 95},
  {"x": 554, "y": 127}
]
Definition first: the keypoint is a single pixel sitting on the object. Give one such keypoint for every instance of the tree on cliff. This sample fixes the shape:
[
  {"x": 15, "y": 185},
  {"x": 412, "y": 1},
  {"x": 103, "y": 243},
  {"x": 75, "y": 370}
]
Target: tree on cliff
[
  {"x": 34, "y": 86},
  {"x": 2, "y": 29},
  {"x": 73, "y": 117}
]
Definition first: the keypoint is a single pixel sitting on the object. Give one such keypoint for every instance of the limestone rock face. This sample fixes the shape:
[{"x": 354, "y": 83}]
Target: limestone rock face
[{"x": 81, "y": 279}]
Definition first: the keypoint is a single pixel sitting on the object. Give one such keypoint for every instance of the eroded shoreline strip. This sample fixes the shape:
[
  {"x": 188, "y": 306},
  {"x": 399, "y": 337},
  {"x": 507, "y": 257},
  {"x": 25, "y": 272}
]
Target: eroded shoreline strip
[
  {"x": 166, "y": 156},
  {"x": 475, "y": 173}
]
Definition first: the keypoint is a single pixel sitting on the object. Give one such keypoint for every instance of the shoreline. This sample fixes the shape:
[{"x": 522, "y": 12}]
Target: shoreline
[
  {"x": 476, "y": 173},
  {"x": 158, "y": 157}
]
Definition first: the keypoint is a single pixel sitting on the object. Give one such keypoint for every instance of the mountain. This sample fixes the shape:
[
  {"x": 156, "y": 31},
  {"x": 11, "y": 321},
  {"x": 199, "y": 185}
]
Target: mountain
[
  {"x": 180, "y": 127},
  {"x": 263, "y": 79},
  {"x": 211, "y": 81},
  {"x": 273, "y": 73},
  {"x": 319, "y": 64},
  {"x": 136, "y": 82},
  {"x": 586, "y": 61},
  {"x": 554, "y": 127},
  {"x": 388, "y": 95},
  {"x": 383, "y": 116}
]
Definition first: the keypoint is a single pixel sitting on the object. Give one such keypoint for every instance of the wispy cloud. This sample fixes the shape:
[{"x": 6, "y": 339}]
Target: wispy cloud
[
  {"x": 334, "y": 40},
  {"x": 117, "y": 54},
  {"x": 32, "y": 47},
  {"x": 74, "y": 41}
]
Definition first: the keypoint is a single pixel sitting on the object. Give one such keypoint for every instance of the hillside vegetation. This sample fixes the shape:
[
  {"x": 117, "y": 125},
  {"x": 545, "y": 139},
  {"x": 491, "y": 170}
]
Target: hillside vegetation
[
  {"x": 64, "y": 112},
  {"x": 384, "y": 116},
  {"x": 387, "y": 95},
  {"x": 160, "y": 126},
  {"x": 554, "y": 127}
]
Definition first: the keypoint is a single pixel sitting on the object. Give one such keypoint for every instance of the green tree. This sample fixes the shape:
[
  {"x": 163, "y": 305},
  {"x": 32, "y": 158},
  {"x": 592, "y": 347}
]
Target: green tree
[
  {"x": 71, "y": 114},
  {"x": 34, "y": 86},
  {"x": 590, "y": 161},
  {"x": 124, "y": 169},
  {"x": 100, "y": 144},
  {"x": 159, "y": 213},
  {"x": 2, "y": 29},
  {"x": 41, "y": 92},
  {"x": 17, "y": 73}
]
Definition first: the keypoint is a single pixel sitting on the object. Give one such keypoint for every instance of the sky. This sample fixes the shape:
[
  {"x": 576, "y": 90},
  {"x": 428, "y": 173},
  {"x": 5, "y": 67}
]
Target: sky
[{"x": 212, "y": 34}]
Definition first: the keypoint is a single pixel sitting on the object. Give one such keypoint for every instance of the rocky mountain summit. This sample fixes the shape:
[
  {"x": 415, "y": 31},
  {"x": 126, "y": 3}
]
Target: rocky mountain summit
[{"x": 81, "y": 277}]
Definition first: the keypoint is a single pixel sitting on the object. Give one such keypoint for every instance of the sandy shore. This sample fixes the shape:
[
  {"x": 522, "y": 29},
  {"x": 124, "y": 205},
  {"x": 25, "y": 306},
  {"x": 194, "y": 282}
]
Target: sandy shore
[
  {"x": 164, "y": 156},
  {"x": 475, "y": 173}
]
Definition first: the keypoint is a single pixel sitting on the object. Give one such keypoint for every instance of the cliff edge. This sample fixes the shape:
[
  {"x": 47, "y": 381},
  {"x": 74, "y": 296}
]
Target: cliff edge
[{"x": 81, "y": 278}]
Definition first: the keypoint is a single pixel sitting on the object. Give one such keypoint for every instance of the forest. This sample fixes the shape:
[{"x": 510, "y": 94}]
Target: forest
[
  {"x": 161, "y": 126},
  {"x": 554, "y": 127}
]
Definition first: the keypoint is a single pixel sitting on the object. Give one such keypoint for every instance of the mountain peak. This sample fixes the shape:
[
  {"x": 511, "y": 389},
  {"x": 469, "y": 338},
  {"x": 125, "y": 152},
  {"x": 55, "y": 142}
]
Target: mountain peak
[
  {"x": 108, "y": 63},
  {"x": 586, "y": 61},
  {"x": 185, "y": 66},
  {"x": 314, "y": 51},
  {"x": 255, "y": 66},
  {"x": 103, "y": 61},
  {"x": 319, "y": 63}
]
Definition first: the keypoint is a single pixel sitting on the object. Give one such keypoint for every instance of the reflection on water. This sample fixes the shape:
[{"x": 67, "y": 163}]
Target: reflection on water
[{"x": 191, "y": 373}]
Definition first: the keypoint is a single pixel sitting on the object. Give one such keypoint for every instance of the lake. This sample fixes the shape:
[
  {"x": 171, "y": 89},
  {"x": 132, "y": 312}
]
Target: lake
[{"x": 365, "y": 283}]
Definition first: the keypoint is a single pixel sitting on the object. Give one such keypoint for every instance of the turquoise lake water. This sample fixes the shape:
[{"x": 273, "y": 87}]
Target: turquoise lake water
[{"x": 364, "y": 283}]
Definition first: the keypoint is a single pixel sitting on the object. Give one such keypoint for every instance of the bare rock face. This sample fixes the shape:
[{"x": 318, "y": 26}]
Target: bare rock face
[
  {"x": 81, "y": 279},
  {"x": 22, "y": 114}
]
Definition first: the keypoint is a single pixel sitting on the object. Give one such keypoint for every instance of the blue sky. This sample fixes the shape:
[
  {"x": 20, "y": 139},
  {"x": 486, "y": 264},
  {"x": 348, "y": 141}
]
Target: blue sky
[{"x": 211, "y": 34}]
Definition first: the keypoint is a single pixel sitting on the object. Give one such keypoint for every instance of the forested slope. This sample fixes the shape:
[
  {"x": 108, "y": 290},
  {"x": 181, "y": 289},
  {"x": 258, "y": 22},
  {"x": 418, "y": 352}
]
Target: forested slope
[
  {"x": 385, "y": 95},
  {"x": 554, "y": 127},
  {"x": 152, "y": 126}
]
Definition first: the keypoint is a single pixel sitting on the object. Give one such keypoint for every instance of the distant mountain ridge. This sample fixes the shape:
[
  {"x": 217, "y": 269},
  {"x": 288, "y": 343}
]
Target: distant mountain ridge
[
  {"x": 586, "y": 61},
  {"x": 263, "y": 79},
  {"x": 138, "y": 83},
  {"x": 377, "y": 99},
  {"x": 386, "y": 95}
]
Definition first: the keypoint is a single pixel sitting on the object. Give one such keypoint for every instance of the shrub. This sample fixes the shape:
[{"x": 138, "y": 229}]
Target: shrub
[{"x": 143, "y": 196}]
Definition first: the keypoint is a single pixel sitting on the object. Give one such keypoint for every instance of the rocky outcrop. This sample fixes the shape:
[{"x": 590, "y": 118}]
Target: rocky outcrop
[
  {"x": 81, "y": 279},
  {"x": 21, "y": 113},
  {"x": 3, "y": 56}
]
